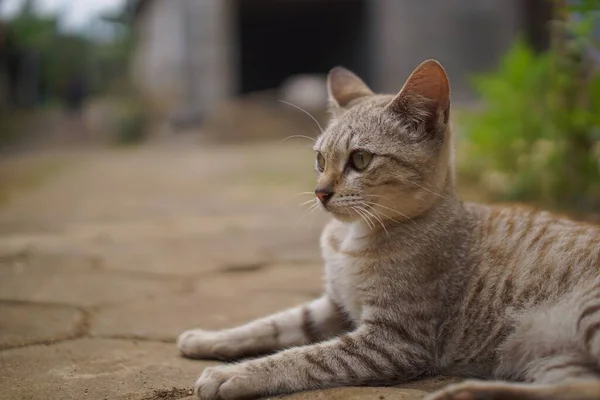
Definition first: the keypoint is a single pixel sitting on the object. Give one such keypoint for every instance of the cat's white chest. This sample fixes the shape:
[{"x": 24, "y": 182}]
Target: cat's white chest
[{"x": 343, "y": 282}]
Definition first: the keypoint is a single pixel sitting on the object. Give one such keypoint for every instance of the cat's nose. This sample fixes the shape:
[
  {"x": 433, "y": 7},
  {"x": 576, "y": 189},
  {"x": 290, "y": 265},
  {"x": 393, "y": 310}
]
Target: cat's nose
[{"x": 324, "y": 194}]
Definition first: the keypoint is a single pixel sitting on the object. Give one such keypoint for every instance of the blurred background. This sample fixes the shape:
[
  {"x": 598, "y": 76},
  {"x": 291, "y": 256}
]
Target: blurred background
[
  {"x": 524, "y": 76},
  {"x": 156, "y": 163}
]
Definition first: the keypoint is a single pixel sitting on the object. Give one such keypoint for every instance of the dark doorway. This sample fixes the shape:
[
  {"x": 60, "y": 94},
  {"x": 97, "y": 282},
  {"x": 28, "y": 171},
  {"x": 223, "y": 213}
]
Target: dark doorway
[
  {"x": 537, "y": 15},
  {"x": 279, "y": 38}
]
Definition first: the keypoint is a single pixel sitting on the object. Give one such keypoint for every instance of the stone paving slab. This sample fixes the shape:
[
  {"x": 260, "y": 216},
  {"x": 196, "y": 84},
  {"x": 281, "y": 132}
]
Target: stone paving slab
[
  {"x": 23, "y": 323},
  {"x": 220, "y": 301},
  {"x": 197, "y": 254},
  {"x": 165, "y": 318},
  {"x": 106, "y": 189},
  {"x": 121, "y": 251},
  {"x": 132, "y": 370},
  {"x": 201, "y": 245},
  {"x": 278, "y": 279},
  {"x": 50, "y": 281},
  {"x": 95, "y": 369}
]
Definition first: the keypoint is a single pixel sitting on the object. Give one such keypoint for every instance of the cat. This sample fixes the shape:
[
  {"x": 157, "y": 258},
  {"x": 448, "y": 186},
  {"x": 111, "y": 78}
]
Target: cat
[{"x": 417, "y": 282}]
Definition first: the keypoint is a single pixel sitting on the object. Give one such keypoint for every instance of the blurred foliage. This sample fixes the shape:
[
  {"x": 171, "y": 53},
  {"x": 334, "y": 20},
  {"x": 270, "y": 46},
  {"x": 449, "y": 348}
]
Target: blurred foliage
[
  {"x": 538, "y": 137},
  {"x": 62, "y": 55},
  {"x": 46, "y": 65}
]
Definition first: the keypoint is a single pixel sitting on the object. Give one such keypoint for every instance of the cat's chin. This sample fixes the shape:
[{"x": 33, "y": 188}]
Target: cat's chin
[{"x": 344, "y": 216}]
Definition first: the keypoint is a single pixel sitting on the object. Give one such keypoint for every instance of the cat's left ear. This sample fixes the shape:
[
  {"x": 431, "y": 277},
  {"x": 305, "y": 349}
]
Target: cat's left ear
[
  {"x": 425, "y": 97},
  {"x": 344, "y": 86}
]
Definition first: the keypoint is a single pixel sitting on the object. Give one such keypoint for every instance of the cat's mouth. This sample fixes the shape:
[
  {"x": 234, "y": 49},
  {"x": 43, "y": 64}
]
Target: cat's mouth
[
  {"x": 342, "y": 211},
  {"x": 348, "y": 207},
  {"x": 329, "y": 208}
]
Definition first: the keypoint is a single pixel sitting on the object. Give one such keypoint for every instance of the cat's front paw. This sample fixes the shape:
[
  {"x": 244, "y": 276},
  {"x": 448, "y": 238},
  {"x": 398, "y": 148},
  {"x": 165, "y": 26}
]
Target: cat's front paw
[
  {"x": 198, "y": 343},
  {"x": 224, "y": 383}
]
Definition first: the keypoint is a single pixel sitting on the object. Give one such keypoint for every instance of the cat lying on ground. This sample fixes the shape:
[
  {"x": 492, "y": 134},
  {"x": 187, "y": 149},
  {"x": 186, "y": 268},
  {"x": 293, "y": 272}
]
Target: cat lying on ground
[{"x": 416, "y": 281}]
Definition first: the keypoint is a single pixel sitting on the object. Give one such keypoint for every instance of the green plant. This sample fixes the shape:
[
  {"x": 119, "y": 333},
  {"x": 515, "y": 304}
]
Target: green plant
[
  {"x": 60, "y": 55},
  {"x": 538, "y": 137}
]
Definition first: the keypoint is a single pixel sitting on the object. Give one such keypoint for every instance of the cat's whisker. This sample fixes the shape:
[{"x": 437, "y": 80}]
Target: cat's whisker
[
  {"x": 375, "y": 195},
  {"x": 416, "y": 184},
  {"x": 305, "y": 112},
  {"x": 297, "y": 137},
  {"x": 305, "y": 193},
  {"x": 308, "y": 212},
  {"x": 359, "y": 213},
  {"x": 368, "y": 215},
  {"x": 370, "y": 223},
  {"x": 377, "y": 218},
  {"x": 308, "y": 202},
  {"x": 364, "y": 217},
  {"x": 312, "y": 209},
  {"x": 311, "y": 213},
  {"x": 370, "y": 204},
  {"x": 427, "y": 189},
  {"x": 373, "y": 204}
]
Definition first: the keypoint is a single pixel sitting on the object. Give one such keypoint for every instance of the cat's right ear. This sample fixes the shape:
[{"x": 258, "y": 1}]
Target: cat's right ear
[
  {"x": 425, "y": 97},
  {"x": 343, "y": 87}
]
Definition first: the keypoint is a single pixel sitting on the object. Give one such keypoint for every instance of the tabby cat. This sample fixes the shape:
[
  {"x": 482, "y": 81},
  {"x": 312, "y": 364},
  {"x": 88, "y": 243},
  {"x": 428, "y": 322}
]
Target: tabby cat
[{"x": 417, "y": 282}]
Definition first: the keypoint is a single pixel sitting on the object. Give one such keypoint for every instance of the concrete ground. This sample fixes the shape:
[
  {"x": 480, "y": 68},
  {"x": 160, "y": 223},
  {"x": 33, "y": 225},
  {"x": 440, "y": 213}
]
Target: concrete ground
[{"x": 107, "y": 255}]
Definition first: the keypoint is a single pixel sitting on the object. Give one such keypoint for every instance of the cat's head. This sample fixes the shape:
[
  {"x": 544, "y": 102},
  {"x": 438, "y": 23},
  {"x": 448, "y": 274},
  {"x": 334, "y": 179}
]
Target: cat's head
[{"x": 385, "y": 156}]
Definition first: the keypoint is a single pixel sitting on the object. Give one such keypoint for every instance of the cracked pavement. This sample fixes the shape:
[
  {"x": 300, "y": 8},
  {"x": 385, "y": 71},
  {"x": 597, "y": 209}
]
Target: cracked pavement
[{"x": 105, "y": 260}]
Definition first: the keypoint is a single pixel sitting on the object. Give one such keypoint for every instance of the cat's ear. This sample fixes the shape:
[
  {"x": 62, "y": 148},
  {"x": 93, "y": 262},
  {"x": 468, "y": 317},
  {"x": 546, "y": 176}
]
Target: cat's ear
[
  {"x": 425, "y": 97},
  {"x": 344, "y": 86}
]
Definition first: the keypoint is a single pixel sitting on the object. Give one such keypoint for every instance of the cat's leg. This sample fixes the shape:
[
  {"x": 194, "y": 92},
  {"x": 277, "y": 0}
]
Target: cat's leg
[
  {"x": 498, "y": 390},
  {"x": 368, "y": 356},
  {"x": 555, "y": 348},
  {"x": 318, "y": 320},
  {"x": 588, "y": 321},
  {"x": 561, "y": 377}
]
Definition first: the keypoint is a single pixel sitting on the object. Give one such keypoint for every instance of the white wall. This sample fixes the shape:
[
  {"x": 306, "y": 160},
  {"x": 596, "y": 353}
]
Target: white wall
[
  {"x": 159, "y": 56},
  {"x": 185, "y": 57},
  {"x": 212, "y": 76}
]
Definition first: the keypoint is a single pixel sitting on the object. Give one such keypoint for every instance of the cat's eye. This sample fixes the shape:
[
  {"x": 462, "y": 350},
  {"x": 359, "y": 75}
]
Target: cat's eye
[
  {"x": 360, "y": 159},
  {"x": 320, "y": 162}
]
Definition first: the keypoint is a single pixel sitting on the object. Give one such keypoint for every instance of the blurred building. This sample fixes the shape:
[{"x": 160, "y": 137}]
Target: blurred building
[{"x": 193, "y": 54}]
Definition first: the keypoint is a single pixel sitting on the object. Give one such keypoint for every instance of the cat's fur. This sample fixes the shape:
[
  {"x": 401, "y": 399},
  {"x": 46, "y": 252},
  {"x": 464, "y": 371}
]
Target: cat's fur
[{"x": 418, "y": 282}]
